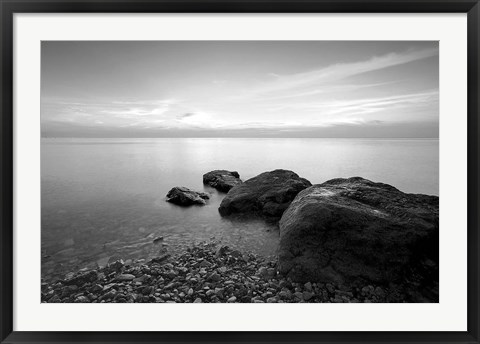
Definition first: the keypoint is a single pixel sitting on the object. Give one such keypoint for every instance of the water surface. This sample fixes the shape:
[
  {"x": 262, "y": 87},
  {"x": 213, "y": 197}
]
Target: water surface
[{"x": 104, "y": 199}]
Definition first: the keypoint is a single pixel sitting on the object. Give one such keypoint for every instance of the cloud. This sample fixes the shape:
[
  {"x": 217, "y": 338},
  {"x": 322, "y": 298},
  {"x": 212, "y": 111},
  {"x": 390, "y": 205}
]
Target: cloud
[
  {"x": 185, "y": 115},
  {"x": 135, "y": 111},
  {"x": 357, "y": 106},
  {"x": 338, "y": 72},
  {"x": 115, "y": 114},
  {"x": 327, "y": 89},
  {"x": 197, "y": 119}
]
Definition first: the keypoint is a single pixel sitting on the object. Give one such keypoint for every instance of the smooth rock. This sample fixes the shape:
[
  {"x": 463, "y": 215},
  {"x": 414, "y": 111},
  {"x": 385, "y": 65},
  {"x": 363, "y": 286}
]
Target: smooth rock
[
  {"x": 125, "y": 277},
  {"x": 267, "y": 194},
  {"x": 347, "y": 230},
  {"x": 160, "y": 259},
  {"x": 183, "y": 196},
  {"x": 103, "y": 262},
  {"x": 222, "y": 180}
]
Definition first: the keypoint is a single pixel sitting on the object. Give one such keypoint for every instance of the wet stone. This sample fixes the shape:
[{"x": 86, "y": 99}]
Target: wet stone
[{"x": 125, "y": 277}]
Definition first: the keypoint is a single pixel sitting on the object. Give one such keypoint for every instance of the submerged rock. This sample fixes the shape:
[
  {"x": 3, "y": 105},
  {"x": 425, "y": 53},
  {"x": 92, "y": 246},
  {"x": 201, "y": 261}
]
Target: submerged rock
[
  {"x": 222, "y": 180},
  {"x": 268, "y": 194},
  {"x": 183, "y": 196},
  {"x": 347, "y": 230},
  {"x": 81, "y": 278}
]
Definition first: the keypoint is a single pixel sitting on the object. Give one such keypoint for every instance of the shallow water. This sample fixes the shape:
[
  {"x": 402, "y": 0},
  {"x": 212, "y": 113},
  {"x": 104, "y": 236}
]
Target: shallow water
[{"x": 104, "y": 199}]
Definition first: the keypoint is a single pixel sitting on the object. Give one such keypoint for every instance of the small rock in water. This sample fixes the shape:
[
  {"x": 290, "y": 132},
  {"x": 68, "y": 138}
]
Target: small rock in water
[
  {"x": 69, "y": 242},
  {"x": 183, "y": 196},
  {"x": 222, "y": 180},
  {"x": 221, "y": 251},
  {"x": 236, "y": 253},
  {"x": 81, "y": 279},
  {"x": 116, "y": 265},
  {"x": 160, "y": 259},
  {"x": 157, "y": 239},
  {"x": 102, "y": 262}
]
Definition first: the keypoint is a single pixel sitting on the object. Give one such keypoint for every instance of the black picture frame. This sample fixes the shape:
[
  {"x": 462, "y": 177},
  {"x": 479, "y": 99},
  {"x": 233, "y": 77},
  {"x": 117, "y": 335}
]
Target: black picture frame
[{"x": 10, "y": 7}]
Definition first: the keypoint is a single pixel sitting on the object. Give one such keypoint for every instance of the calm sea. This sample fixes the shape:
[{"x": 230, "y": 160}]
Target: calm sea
[{"x": 104, "y": 199}]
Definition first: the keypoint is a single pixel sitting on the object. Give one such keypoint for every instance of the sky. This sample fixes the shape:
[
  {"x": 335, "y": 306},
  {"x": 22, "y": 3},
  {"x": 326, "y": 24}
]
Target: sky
[{"x": 385, "y": 89}]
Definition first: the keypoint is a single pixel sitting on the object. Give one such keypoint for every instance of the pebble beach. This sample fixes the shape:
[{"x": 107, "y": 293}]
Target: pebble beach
[{"x": 204, "y": 273}]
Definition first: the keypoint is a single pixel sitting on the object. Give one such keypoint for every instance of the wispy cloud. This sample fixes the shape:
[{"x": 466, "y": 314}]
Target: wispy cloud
[
  {"x": 354, "y": 105},
  {"x": 338, "y": 72},
  {"x": 114, "y": 113}
]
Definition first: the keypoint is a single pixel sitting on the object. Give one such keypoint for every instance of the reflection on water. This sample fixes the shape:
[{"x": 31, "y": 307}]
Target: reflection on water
[{"x": 104, "y": 199}]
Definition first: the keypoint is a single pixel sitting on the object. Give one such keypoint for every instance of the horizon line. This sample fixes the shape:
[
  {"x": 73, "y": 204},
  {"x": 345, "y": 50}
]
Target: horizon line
[{"x": 232, "y": 137}]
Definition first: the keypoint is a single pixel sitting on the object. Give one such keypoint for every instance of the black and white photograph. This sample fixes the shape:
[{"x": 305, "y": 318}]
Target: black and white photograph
[{"x": 239, "y": 171}]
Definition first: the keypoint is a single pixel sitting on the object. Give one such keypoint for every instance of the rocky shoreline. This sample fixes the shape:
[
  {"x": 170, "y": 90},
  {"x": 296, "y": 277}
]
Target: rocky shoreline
[
  {"x": 205, "y": 273},
  {"x": 345, "y": 240}
]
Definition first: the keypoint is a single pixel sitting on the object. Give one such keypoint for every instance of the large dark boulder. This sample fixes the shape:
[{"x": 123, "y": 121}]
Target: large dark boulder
[
  {"x": 354, "y": 230},
  {"x": 267, "y": 194},
  {"x": 222, "y": 180},
  {"x": 183, "y": 196}
]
